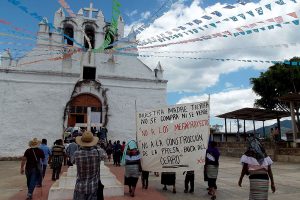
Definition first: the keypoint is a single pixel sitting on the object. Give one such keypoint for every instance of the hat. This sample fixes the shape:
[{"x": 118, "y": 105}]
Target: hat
[
  {"x": 34, "y": 143},
  {"x": 132, "y": 145},
  {"x": 87, "y": 139}
]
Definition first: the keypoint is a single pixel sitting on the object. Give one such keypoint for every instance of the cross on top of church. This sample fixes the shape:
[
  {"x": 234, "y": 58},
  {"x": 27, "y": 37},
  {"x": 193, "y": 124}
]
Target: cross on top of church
[{"x": 90, "y": 10}]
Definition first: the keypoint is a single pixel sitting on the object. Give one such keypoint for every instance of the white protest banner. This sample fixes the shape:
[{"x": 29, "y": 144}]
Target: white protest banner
[{"x": 174, "y": 138}]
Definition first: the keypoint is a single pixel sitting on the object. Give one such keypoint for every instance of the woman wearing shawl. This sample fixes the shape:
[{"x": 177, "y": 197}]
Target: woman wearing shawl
[
  {"x": 257, "y": 165},
  {"x": 132, "y": 161},
  {"x": 212, "y": 168}
]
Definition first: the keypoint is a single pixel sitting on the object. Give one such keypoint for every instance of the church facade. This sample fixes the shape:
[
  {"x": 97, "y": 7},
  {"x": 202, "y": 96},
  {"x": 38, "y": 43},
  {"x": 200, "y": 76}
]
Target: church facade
[{"x": 53, "y": 85}]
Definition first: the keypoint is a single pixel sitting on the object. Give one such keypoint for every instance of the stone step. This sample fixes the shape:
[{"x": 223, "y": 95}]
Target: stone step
[
  {"x": 66, "y": 193},
  {"x": 63, "y": 189},
  {"x": 66, "y": 181}
]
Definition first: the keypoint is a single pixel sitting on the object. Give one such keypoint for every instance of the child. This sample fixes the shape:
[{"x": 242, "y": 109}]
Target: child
[{"x": 189, "y": 178}]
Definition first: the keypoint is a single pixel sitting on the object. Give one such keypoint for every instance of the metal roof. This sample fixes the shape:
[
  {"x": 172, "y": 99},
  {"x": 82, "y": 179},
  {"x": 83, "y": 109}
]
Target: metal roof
[{"x": 256, "y": 114}]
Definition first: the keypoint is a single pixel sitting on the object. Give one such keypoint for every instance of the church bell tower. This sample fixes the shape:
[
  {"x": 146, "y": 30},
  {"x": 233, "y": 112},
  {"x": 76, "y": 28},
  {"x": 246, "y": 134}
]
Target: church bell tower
[{"x": 88, "y": 22}]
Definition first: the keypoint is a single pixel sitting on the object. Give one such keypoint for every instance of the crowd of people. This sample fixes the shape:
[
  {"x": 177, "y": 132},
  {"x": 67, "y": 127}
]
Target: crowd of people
[{"x": 87, "y": 152}]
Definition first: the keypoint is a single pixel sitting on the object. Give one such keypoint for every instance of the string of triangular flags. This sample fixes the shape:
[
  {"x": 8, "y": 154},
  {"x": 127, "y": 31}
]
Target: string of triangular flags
[
  {"x": 21, "y": 33},
  {"x": 63, "y": 57},
  {"x": 186, "y": 29},
  {"x": 278, "y": 20},
  {"x": 24, "y": 36},
  {"x": 156, "y": 15},
  {"x": 7, "y": 23},
  {"x": 286, "y": 62},
  {"x": 223, "y": 34},
  {"x": 38, "y": 17},
  {"x": 16, "y": 44},
  {"x": 69, "y": 55},
  {"x": 66, "y": 6},
  {"x": 285, "y": 45}
]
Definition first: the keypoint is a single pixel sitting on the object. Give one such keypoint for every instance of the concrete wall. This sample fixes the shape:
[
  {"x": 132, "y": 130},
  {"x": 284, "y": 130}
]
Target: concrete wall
[
  {"x": 32, "y": 105},
  {"x": 278, "y": 152}
]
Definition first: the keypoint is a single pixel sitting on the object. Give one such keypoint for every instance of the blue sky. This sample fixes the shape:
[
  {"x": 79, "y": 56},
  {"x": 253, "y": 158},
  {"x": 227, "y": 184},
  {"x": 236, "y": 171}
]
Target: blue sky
[{"x": 188, "y": 80}]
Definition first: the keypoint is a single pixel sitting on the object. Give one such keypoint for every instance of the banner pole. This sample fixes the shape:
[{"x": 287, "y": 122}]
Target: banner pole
[
  {"x": 135, "y": 123},
  {"x": 210, "y": 137}
]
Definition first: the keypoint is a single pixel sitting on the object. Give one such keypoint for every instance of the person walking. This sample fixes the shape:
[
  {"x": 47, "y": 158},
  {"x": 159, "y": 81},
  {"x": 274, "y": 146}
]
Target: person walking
[
  {"x": 32, "y": 159},
  {"x": 212, "y": 168},
  {"x": 109, "y": 150},
  {"x": 168, "y": 178},
  {"x": 71, "y": 149},
  {"x": 257, "y": 164},
  {"x": 132, "y": 161},
  {"x": 87, "y": 159},
  {"x": 189, "y": 179},
  {"x": 47, "y": 153},
  {"x": 145, "y": 177},
  {"x": 114, "y": 153},
  {"x": 58, "y": 155},
  {"x": 118, "y": 152}
]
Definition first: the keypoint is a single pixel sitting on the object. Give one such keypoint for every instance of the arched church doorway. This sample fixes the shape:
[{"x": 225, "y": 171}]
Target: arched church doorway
[{"x": 77, "y": 111}]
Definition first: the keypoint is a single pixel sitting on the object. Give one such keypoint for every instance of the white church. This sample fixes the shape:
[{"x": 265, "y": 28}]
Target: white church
[{"x": 52, "y": 88}]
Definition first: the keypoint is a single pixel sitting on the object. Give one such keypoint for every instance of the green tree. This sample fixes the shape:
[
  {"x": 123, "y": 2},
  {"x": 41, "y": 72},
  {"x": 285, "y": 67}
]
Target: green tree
[{"x": 278, "y": 80}]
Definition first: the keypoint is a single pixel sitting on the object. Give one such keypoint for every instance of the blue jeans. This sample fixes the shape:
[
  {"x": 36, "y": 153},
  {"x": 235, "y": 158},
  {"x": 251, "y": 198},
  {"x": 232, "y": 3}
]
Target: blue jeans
[
  {"x": 43, "y": 175},
  {"x": 32, "y": 176}
]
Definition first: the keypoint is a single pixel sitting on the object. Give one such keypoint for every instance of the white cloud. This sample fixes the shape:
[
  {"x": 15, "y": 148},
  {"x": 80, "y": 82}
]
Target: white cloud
[
  {"x": 132, "y": 13},
  {"x": 228, "y": 101},
  {"x": 228, "y": 85},
  {"x": 225, "y": 101},
  {"x": 196, "y": 75},
  {"x": 145, "y": 15}
]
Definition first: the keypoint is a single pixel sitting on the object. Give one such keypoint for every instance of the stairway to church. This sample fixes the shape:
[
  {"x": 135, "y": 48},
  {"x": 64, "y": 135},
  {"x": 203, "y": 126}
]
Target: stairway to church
[{"x": 63, "y": 189}]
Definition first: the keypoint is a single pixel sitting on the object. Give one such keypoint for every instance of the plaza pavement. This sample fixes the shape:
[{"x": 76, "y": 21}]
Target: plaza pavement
[{"x": 286, "y": 175}]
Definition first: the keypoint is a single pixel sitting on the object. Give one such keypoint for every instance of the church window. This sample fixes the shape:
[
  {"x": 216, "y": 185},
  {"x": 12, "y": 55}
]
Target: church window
[
  {"x": 79, "y": 118},
  {"x": 84, "y": 109},
  {"x": 89, "y": 73},
  {"x": 68, "y": 31},
  {"x": 90, "y": 33},
  {"x": 79, "y": 109},
  {"x": 96, "y": 109}
]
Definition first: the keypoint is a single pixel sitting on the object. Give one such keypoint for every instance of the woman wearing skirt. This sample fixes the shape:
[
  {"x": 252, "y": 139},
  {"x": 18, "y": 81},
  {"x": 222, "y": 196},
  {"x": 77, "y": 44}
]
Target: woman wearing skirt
[
  {"x": 257, "y": 165},
  {"x": 212, "y": 168},
  {"x": 132, "y": 161},
  {"x": 168, "y": 178}
]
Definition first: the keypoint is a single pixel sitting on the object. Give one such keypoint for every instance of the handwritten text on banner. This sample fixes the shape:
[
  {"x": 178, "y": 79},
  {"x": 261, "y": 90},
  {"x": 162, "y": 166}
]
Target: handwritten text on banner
[{"x": 174, "y": 138}]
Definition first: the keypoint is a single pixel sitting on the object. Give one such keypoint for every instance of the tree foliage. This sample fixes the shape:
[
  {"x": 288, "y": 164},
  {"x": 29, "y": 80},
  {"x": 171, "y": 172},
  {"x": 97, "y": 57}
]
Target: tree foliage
[{"x": 277, "y": 81}]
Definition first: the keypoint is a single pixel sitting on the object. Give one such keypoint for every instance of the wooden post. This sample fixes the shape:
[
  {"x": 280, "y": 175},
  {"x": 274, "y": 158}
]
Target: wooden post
[
  {"x": 264, "y": 130},
  {"x": 279, "y": 128},
  {"x": 238, "y": 131},
  {"x": 225, "y": 129},
  {"x": 294, "y": 126},
  {"x": 245, "y": 130},
  {"x": 254, "y": 130},
  {"x": 88, "y": 128}
]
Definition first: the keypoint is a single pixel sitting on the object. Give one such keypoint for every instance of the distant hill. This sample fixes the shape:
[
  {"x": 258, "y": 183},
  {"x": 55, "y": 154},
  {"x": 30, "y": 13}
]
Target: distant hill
[{"x": 285, "y": 125}]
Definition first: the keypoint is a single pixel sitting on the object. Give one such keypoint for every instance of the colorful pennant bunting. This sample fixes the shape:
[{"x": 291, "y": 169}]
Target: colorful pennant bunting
[{"x": 269, "y": 6}]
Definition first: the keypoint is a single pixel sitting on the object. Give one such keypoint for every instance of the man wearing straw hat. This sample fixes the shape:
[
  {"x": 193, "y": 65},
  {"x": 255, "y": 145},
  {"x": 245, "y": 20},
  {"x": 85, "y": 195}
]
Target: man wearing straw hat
[
  {"x": 87, "y": 159},
  {"x": 32, "y": 158}
]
